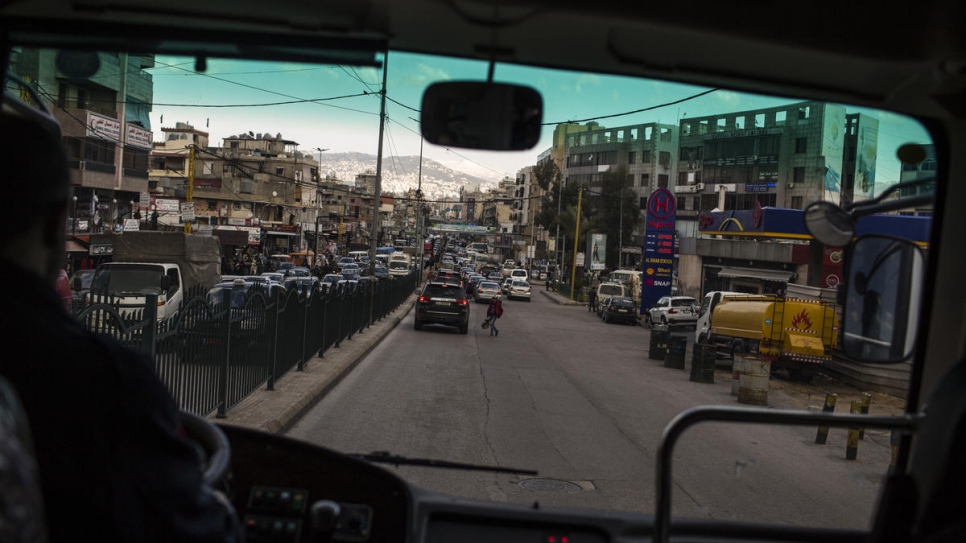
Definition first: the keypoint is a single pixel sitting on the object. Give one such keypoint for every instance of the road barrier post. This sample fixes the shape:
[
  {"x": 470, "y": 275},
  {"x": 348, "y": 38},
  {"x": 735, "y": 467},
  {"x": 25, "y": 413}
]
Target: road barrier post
[
  {"x": 866, "y": 401},
  {"x": 822, "y": 436},
  {"x": 852, "y": 445}
]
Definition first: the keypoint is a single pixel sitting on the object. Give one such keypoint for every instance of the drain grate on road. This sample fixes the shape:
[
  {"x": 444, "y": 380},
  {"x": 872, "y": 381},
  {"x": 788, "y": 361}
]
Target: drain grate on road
[{"x": 550, "y": 485}]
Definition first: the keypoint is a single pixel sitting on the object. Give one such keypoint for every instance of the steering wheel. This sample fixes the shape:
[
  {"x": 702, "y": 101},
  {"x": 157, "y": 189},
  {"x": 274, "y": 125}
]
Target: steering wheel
[{"x": 213, "y": 442}]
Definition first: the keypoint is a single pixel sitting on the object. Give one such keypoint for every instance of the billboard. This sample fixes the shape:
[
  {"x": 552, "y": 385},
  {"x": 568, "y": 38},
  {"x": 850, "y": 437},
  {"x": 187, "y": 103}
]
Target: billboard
[
  {"x": 658, "y": 262},
  {"x": 596, "y": 252}
]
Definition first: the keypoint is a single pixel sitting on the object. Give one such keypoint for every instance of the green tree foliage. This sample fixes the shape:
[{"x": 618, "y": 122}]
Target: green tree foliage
[{"x": 602, "y": 208}]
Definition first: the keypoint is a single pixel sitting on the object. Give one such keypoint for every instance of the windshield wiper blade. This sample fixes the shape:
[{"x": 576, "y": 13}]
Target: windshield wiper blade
[{"x": 384, "y": 457}]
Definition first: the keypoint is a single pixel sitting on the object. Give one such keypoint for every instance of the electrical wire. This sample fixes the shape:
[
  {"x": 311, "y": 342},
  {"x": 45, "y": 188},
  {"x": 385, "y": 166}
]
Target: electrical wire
[{"x": 682, "y": 100}]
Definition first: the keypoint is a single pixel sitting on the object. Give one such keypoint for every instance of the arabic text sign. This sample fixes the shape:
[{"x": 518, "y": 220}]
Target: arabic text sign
[{"x": 103, "y": 127}]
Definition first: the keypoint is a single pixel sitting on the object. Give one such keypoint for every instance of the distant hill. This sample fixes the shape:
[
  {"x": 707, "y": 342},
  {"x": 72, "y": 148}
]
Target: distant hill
[{"x": 401, "y": 173}]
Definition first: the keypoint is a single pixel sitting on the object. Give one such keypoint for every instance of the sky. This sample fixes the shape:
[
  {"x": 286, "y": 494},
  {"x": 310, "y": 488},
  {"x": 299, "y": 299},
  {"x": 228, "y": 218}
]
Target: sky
[{"x": 345, "y": 114}]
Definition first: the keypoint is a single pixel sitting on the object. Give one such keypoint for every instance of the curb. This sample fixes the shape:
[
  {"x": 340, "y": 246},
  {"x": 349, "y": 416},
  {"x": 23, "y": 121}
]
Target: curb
[
  {"x": 296, "y": 393},
  {"x": 558, "y": 299}
]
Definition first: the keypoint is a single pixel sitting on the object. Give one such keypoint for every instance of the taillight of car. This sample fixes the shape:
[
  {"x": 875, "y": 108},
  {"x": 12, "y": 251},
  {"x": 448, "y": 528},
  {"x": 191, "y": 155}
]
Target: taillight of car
[
  {"x": 423, "y": 299},
  {"x": 464, "y": 302},
  {"x": 672, "y": 311}
]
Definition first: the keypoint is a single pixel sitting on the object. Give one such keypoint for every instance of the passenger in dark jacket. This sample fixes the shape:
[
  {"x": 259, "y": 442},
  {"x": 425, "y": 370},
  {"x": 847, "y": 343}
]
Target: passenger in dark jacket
[{"x": 112, "y": 455}]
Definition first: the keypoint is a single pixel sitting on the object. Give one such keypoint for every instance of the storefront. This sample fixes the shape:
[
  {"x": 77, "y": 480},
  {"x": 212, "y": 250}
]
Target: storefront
[
  {"x": 281, "y": 239},
  {"x": 762, "y": 250}
]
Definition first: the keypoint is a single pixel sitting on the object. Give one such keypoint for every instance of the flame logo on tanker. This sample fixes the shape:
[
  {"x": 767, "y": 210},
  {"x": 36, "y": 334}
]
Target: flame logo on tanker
[{"x": 801, "y": 321}]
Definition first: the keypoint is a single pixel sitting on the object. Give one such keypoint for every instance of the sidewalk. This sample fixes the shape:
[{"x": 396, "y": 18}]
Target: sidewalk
[
  {"x": 555, "y": 296},
  {"x": 297, "y": 392}
]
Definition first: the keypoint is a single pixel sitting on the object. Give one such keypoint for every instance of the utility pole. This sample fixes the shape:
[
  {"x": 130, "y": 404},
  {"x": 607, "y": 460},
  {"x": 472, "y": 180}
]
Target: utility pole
[
  {"x": 620, "y": 231},
  {"x": 419, "y": 215},
  {"x": 375, "y": 210},
  {"x": 573, "y": 270},
  {"x": 559, "y": 252},
  {"x": 318, "y": 204},
  {"x": 190, "y": 191}
]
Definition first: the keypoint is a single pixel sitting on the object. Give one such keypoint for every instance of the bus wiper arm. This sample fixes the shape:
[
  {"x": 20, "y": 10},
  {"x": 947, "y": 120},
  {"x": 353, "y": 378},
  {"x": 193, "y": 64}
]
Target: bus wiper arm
[{"x": 384, "y": 457}]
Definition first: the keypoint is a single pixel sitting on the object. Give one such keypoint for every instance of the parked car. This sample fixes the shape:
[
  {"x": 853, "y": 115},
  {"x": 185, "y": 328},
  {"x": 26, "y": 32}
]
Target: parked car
[
  {"x": 619, "y": 309},
  {"x": 486, "y": 291},
  {"x": 518, "y": 289},
  {"x": 672, "y": 310},
  {"x": 442, "y": 303}
]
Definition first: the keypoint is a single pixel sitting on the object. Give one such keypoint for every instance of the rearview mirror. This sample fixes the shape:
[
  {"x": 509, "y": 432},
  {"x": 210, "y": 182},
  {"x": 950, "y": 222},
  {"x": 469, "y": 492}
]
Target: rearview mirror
[
  {"x": 480, "y": 115},
  {"x": 883, "y": 296}
]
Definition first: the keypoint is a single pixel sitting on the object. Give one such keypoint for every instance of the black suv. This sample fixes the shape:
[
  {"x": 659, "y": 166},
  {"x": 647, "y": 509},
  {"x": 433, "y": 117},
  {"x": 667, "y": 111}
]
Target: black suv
[{"x": 443, "y": 303}]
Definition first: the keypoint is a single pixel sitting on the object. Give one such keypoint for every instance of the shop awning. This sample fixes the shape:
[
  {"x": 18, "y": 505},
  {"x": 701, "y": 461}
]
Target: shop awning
[
  {"x": 75, "y": 247},
  {"x": 753, "y": 273},
  {"x": 271, "y": 233}
]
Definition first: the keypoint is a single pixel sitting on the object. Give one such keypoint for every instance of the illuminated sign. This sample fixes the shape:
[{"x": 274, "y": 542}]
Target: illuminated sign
[{"x": 658, "y": 262}]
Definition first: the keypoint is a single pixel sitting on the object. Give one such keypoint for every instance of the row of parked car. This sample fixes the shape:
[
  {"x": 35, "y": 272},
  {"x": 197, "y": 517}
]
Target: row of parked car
[{"x": 614, "y": 305}]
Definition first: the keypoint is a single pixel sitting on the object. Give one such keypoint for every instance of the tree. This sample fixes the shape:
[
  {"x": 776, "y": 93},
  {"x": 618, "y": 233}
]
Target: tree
[
  {"x": 547, "y": 174},
  {"x": 604, "y": 205}
]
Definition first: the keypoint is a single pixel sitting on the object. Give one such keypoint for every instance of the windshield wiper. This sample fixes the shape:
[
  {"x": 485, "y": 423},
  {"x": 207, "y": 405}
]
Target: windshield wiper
[{"x": 385, "y": 457}]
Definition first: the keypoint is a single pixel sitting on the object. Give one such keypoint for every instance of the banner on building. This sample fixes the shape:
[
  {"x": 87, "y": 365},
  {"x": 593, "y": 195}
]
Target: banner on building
[{"x": 658, "y": 263}]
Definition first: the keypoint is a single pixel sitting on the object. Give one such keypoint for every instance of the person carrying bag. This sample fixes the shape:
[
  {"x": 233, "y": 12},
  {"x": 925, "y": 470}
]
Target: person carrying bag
[{"x": 494, "y": 312}]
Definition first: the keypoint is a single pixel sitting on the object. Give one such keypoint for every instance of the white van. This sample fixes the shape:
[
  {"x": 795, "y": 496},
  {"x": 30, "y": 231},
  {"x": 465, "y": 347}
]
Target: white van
[
  {"x": 623, "y": 276},
  {"x": 357, "y": 255}
]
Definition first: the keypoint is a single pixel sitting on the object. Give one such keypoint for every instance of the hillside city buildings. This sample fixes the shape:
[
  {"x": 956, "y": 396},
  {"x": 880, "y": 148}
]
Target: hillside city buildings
[{"x": 261, "y": 190}]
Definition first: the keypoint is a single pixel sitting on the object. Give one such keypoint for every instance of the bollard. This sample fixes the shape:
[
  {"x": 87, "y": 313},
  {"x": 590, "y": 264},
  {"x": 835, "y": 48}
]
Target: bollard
[
  {"x": 895, "y": 441},
  {"x": 677, "y": 348},
  {"x": 738, "y": 362},
  {"x": 866, "y": 401},
  {"x": 829, "y": 407},
  {"x": 753, "y": 382},
  {"x": 852, "y": 445},
  {"x": 658, "y": 348},
  {"x": 702, "y": 363}
]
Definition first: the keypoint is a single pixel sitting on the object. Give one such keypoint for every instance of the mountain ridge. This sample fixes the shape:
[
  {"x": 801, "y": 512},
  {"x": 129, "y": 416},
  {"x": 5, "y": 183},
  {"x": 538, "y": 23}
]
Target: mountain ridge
[{"x": 401, "y": 173}]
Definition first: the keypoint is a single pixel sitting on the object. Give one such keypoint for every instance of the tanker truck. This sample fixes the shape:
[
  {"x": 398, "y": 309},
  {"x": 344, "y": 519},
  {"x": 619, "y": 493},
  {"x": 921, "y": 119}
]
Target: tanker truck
[{"x": 795, "y": 334}]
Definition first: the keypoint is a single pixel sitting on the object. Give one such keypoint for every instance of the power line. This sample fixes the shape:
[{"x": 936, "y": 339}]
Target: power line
[
  {"x": 452, "y": 151},
  {"x": 271, "y": 91},
  {"x": 692, "y": 97}
]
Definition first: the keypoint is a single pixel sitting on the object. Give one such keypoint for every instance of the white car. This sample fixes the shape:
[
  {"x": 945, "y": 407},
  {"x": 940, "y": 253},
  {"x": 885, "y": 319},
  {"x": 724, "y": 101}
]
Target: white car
[
  {"x": 674, "y": 310},
  {"x": 518, "y": 289}
]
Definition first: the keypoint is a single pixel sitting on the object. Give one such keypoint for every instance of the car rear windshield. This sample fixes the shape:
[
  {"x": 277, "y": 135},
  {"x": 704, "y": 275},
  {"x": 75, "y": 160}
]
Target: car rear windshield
[
  {"x": 442, "y": 291},
  {"x": 611, "y": 290},
  {"x": 683, "y": 302}
]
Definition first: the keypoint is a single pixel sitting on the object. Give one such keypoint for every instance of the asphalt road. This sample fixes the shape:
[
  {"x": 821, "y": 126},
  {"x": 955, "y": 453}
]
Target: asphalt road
[{"x": 578, "y": 400}]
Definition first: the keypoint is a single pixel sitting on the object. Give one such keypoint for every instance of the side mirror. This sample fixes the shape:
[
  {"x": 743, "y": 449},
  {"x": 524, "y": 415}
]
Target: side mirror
[
  {"x": 481, "y": 115},
  {"x": 883, "y": 297}
]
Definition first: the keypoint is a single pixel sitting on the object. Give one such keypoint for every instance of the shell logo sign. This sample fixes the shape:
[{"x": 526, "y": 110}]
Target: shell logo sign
[{"x": 801, "y": 321}]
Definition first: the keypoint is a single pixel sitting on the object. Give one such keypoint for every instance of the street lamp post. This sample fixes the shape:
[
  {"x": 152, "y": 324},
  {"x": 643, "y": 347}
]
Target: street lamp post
[
  {"x": 73, "y": 223},
  {"x": 113, "y": 213}
]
